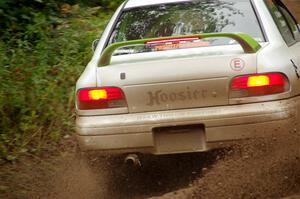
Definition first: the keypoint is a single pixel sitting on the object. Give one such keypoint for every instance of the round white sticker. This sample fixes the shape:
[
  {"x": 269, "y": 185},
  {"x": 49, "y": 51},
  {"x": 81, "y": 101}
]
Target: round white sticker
[{"x": 237, "y": 64}]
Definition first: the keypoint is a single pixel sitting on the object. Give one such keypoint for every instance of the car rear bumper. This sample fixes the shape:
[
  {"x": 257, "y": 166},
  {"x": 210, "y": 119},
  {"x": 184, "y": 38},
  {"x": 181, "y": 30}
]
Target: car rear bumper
[{"x": 134, "y": 132}]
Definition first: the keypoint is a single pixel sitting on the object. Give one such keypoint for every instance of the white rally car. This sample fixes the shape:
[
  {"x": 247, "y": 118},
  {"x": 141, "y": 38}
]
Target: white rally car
[{"x": 178, "y": 76}]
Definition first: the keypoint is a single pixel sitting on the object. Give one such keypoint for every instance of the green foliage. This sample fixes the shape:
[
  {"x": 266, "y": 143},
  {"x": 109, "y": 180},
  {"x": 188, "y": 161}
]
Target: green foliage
[
  {"x": 38, "y": 72},
  {"x": 16, "y": 15},
  {"x": 110, "y": 4}
]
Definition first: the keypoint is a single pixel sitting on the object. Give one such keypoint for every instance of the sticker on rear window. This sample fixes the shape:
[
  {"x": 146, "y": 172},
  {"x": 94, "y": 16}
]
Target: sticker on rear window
[{"x": 181, "y": 45}]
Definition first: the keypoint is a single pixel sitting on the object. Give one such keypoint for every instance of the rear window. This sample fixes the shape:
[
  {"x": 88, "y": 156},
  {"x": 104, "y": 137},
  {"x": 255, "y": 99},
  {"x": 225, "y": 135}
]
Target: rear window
[{"x": 188, "y": 18}]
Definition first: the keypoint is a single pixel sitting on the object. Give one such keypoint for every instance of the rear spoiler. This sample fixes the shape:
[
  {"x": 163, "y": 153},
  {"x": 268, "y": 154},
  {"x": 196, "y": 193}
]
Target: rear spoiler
[{"x": 248, "y": 44}]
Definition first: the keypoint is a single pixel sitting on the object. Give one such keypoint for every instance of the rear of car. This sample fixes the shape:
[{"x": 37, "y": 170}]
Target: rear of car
[{"x": 188, "y": 76}]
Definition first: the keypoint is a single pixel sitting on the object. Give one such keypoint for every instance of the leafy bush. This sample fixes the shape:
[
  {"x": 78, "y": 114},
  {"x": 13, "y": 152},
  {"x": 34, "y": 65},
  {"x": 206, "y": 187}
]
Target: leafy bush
[
  {"x": 38, "y": 71},
  {"x": 18, "y": 14}
]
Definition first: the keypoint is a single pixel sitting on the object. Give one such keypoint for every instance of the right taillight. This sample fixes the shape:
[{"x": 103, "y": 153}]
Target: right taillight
[
  {"x": 259, "y": 85},
  {"x": 100, "y": 98}
]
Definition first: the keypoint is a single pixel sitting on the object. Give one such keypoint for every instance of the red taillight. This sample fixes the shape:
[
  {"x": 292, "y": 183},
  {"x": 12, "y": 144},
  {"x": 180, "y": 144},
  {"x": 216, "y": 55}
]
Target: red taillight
[
  {"x": 100, "y": 98},
  {"x": 258, "y": 85}
]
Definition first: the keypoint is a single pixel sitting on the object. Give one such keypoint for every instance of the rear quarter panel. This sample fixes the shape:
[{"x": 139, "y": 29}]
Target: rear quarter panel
[{"x": 276, "y": 56}]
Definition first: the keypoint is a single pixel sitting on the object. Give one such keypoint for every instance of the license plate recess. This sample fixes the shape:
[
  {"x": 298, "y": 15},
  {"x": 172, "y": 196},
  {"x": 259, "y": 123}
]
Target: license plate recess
[{"x": 179, "y": 139}]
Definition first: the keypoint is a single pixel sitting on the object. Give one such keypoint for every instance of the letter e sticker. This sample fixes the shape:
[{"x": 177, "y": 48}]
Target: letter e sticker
[{"x": 237, "y": 64}]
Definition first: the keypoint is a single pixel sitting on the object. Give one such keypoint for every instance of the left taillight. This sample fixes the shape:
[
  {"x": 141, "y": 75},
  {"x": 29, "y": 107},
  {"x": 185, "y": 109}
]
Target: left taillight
[
  {"x": 259, "y": 85},
  {"x": 100, "y": 98}
]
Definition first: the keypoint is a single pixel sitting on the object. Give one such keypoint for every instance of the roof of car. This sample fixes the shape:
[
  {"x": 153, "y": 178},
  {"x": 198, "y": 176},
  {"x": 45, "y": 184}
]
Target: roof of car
[{"x": 140, "y": 3}]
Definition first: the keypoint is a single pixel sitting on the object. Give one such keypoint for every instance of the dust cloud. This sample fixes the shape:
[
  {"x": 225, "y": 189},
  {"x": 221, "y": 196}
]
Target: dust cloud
[{"x": 265, "y": 168}]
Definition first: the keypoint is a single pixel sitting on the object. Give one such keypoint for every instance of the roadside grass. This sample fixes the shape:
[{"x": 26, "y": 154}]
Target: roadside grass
[{"x": 37, "y": 79}]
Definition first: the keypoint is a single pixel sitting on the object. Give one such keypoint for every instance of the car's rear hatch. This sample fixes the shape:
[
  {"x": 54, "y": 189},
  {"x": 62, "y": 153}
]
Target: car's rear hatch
[{"x": 170, "y": 80}]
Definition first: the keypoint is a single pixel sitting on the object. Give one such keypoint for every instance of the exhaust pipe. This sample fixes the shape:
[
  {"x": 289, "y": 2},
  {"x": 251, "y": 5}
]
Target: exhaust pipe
[{"x": 133, "y": 160}]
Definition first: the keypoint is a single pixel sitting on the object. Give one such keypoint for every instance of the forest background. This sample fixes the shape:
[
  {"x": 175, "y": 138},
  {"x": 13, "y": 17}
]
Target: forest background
[{"x": 44, "y": 46}]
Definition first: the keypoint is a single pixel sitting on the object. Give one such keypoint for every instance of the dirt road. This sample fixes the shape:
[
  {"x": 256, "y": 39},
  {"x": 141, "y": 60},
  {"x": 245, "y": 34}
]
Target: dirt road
[{"x": 262, "y": 168}]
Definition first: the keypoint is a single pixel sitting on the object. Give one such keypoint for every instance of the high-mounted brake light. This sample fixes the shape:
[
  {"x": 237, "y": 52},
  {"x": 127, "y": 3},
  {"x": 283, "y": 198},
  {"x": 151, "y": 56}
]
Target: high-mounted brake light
[
  {"x": 258, "y": 85},
  {"x": 100, "y": 98},
  {"x": 174, "y": 40}
]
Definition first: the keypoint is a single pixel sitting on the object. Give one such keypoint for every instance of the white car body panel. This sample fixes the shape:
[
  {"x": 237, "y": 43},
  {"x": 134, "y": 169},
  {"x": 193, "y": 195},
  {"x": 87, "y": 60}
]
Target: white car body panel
[{"x": 132, "y": 128}]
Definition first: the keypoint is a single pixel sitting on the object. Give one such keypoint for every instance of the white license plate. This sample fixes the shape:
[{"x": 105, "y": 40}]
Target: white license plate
[{"x": 179, "y": 139}]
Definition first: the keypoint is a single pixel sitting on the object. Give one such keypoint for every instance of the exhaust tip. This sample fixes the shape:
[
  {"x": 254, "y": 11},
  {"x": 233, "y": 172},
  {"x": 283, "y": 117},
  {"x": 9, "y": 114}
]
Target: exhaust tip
[{"x": 132, "y": 160}]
